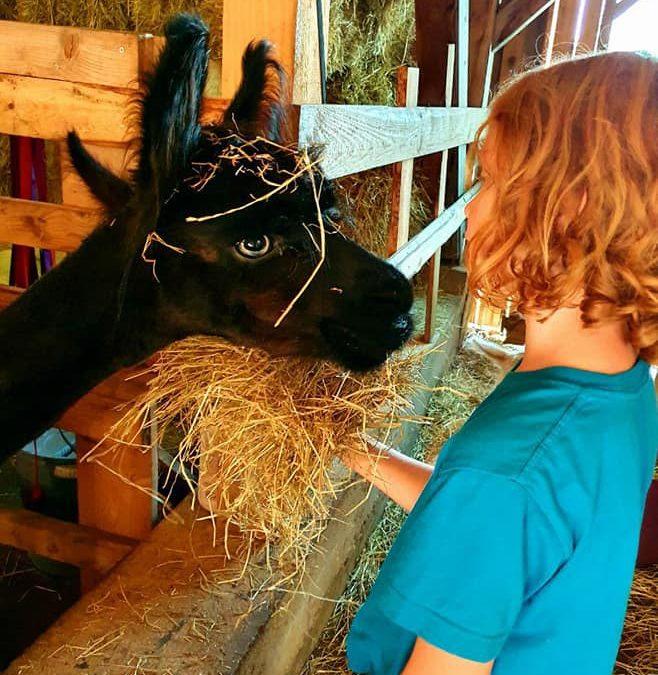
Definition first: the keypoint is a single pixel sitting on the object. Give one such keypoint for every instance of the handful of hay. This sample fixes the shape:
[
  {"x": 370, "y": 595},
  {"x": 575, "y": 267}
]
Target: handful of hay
[{"x": 259, "y": 435}]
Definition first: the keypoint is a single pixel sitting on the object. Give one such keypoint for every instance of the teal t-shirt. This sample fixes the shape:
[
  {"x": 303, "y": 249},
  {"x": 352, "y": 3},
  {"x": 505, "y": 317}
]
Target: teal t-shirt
[{"x": 521, "y": 547}]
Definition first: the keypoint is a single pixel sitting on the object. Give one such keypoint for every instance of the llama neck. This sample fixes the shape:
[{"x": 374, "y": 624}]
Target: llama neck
[{"x": 66, "y": 334}]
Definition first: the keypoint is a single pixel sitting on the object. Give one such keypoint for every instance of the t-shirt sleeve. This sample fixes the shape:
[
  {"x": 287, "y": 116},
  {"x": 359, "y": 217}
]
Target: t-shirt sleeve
[{"x": 462, "y": 564}]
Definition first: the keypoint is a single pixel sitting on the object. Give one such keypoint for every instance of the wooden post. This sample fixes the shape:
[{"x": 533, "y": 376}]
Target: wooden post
[
  {"x": 247, "y": 20},
  {"x": 307, "y": 82},
  {"x": 107, "y": 497},
  {"x": 398, "y": 231},
  {"x": 434, "y": 265}
]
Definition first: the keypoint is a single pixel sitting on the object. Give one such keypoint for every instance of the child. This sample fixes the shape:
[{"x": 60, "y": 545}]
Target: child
[{"x": 518, "y": 554}]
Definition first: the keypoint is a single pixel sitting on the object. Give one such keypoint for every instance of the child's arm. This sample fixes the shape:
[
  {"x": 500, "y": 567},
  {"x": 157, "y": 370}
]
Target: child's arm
[
  {"x": 399, "y": 477},
  {"x": 426, "y": 659}
]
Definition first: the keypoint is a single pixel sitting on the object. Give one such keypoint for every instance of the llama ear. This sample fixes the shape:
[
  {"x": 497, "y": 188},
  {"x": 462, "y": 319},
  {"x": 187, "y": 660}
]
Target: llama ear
[
  {"x": 107, "y": 187},
  {"x": 170, "y": 108},
  {"x": 258, "y": 107}
]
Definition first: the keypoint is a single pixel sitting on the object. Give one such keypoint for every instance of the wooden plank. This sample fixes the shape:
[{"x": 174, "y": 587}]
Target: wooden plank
[
  {"x": 94, "y": 414},
  {"x": 65, "y": 542},
  {"x": 98, "y": 57},
  {"x": 356, "y": 138},
  {"x": 74, "y": 191},
  {"x": 461, "y": 64},
  {"x": 411, "y": 257},
  {"x": 434, "y": 266},
  {"x": 247, "y": 20},
  {"x": 565, "y": 30},
  {"x": 115, "y": 487},
  {"x": 398, "y": 230},
  {"x": 483, "y": 16},
  {"x": 43, "y": 225},
  {"x": 31, "y": 106},
  {"x": 514, "y": 17},
  {"x": 307, "y": 84},
  {"x": 591, "y": 28}
]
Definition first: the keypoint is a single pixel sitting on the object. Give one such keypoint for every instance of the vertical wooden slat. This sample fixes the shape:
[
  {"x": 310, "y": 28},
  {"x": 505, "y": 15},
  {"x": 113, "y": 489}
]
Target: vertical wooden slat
[
  {"x": 307, "y": 83},
  {"x": 591, "y": 26},
  {"x": 462, "y": 100},
  {"x": 114, "y": 485},
  {"x": 398, "y": 231},
  {"x": 565, "y": 30},
  {"x": 435, "y": 30},
  {"x": 434, "y": 266}
]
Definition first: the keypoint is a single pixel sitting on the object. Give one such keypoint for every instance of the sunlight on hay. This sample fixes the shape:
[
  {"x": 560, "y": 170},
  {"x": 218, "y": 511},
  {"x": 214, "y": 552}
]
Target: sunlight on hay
[{"x": 264, "y": 432}]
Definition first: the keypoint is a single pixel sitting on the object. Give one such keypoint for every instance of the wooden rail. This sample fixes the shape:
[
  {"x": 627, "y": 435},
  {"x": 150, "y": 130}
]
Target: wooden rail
[
  {"x": 65, "y": 542},
  {"x": 99, "y": 57},
  {"x": 413, "y": 255},
  {"x": 356, "y": 138}
]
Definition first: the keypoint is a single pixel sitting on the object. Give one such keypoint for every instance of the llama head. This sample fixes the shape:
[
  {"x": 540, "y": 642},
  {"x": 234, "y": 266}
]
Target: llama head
[{"x": 241, "y": 227}]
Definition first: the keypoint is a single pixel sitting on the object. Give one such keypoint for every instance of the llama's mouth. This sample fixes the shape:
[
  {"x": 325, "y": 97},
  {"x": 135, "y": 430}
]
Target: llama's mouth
[{"x": 367, "y": 346}]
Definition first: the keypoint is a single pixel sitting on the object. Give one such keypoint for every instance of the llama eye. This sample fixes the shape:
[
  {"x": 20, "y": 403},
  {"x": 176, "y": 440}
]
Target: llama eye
[{"x": 255, "y": 247}]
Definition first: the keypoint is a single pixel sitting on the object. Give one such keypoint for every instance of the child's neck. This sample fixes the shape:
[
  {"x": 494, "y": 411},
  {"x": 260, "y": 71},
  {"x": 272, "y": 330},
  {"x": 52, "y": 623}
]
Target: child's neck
[{"x": 563, "y": 340}]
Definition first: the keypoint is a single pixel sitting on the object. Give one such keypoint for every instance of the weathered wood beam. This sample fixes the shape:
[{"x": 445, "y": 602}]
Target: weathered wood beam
[
  {"x": 356, "y": 138},
  {"x": 411, "y": 257},
  {"x": 513, "y": 17},
  {"x": 105, "y": 58},
  {"x": 65, "y": 542}
]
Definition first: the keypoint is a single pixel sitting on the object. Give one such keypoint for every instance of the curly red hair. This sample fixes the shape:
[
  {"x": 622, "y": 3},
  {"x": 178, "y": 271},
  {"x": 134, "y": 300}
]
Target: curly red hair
[{"x": 579, "y": 133}]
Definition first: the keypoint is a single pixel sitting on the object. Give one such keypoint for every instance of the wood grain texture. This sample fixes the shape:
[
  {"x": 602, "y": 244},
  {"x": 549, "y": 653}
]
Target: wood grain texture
[
  {"x": 65, "y": 542},
  {"x": 247, "y": 20},
  {"x": 356, "y": 138},
  {"x": 115, "y": 486},
  {"x": 51, "y": 226},
  {"x": 106, "y": 58},
  {"x": 307, "y": 84},
  {"x": 42, "y": 108},
  {"x": 411, "y": 257}
]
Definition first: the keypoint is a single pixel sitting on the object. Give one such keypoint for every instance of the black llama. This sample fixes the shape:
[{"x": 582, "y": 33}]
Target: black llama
[{"x": 151, "y": 274}]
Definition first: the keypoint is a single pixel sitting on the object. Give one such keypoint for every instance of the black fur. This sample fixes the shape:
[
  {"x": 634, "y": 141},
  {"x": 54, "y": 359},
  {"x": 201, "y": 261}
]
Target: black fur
[{"x": 103, "y": 308}]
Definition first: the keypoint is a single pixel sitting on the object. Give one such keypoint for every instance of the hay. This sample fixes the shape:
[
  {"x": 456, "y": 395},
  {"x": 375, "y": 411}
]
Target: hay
[
  {"x": 638, "y": 654},
  {"x": 368, "y": 41},
  {"x": 264, "y": 432}
]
